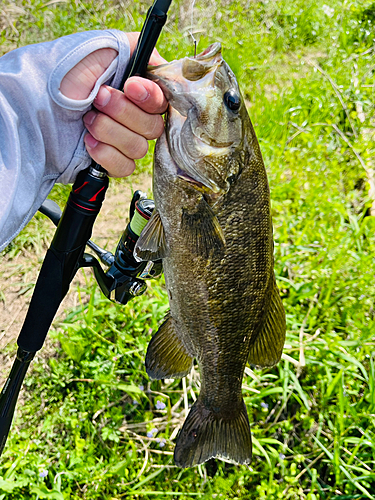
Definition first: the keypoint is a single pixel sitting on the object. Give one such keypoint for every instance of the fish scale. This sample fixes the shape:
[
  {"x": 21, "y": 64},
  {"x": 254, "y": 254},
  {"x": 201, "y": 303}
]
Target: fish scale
[{"x": 213, "y": 208}]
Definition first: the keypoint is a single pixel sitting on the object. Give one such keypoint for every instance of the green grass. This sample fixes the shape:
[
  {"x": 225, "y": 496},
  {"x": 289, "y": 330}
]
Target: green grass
[{"x": 307, "y": 74}]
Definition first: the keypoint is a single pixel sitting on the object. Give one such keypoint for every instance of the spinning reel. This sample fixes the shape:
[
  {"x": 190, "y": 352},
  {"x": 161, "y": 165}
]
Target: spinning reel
[{"x": 124, "y": 278}]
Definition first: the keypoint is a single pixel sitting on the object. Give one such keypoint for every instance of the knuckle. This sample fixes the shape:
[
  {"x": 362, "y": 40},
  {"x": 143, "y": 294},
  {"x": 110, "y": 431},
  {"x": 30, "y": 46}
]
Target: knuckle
[
  {"x": 137, "y": 148},
  {"x": 116, "y": 164},
  {"x": 99, "y": 154},
  {"x": 123, "y": 113},
  {"x": 156, "y": 128},
  {"x": 99, "y": 127},
  {"x": 128, "y": 167},
  {"x": 121, "y": 168},
  {"x": 113, "y": 161}
]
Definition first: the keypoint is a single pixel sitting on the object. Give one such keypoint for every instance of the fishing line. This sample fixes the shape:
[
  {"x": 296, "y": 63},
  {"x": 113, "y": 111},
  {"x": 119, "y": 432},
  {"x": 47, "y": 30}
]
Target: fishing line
[{"x": 190, "y": 31}]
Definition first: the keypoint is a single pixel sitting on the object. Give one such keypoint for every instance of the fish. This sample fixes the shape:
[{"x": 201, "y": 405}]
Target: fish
[{"x": 212, "y": 228}]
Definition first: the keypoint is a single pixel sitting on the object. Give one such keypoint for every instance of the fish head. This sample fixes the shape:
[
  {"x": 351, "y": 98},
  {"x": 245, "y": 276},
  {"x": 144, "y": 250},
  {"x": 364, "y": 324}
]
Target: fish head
[{"x": 205, "y": 119}]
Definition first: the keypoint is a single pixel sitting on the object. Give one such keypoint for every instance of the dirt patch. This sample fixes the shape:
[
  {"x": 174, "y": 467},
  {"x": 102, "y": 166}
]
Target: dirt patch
[{"x": 19, "y": 274}]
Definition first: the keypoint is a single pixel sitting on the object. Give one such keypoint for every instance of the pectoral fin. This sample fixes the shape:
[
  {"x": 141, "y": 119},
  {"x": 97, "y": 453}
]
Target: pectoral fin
[
  {"x": 268, "y": 347},
  {"x": 166, "y": 356},
  {"x": 202, "y": 230},
  {"x": 151, "y": 244}
]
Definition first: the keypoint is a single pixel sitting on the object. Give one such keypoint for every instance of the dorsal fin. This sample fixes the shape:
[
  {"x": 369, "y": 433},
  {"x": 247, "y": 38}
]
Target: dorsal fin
[{"x": 268, "y": 346}]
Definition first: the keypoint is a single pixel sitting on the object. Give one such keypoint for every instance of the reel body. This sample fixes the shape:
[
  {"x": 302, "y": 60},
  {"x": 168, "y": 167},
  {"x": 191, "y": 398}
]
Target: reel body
[{"x": 124, "y": 278}]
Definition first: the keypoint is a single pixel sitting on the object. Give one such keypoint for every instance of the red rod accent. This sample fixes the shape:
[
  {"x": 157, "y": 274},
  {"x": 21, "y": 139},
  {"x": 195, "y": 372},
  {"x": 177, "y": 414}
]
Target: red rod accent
[
  {"x": 96, "y": 194},
  {"x": 80, "y": 187},
  {"x": 85, "y": 208}
]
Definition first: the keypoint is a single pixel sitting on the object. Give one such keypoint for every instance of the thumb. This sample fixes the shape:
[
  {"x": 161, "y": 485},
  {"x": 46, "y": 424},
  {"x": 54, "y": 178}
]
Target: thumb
[{"x": 80, "y": 80}]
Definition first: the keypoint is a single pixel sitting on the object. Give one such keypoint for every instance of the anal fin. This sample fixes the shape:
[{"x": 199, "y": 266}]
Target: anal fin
[
  {"x": 268, "y": 346},
  {"x": 151, "y": 244},
  {"x": 166, "y": 356}
]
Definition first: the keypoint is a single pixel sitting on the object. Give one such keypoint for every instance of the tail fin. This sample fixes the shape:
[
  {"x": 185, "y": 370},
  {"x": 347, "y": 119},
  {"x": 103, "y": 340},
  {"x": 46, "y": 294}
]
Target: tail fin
[{"x": 206, "y": 435}]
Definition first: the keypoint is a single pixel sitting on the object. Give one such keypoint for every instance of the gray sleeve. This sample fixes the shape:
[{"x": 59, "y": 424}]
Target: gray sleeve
[{"x": 41, "y": 131}]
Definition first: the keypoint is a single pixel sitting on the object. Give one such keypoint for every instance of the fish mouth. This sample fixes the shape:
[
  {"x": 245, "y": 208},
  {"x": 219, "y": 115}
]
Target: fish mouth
[
  {"x": 178, "y": 79},
  {"x": 209, "y": 188},
  {"x": 212, "y": 51},
  {"x": 184, "y": 176},
  {"x": 210, "y": 55}
]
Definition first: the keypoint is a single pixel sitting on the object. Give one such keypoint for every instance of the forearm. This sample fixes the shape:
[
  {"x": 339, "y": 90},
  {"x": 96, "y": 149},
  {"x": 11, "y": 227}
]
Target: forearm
[{"x": 41, "y": 130}]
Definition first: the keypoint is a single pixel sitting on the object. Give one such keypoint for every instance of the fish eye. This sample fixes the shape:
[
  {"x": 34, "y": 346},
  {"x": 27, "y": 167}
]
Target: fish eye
[{"x": 232, "y": 100}]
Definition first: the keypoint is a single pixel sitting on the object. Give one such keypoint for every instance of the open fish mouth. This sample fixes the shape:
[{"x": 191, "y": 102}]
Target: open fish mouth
[
  {"x": 178, "y": 79},
  {"x": 211, "y": 51},
  {"x": 207, "y": 59}
]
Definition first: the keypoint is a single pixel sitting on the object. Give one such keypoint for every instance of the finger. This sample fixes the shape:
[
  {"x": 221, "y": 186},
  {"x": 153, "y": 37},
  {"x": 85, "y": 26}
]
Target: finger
[
  {"x": 79, "y": 81},
  {"x": 106, "y": 130},
  {"x": 114, "y": 104},
  {"x": 116, "y": 164},
  {"x": 145, "y": 94}
]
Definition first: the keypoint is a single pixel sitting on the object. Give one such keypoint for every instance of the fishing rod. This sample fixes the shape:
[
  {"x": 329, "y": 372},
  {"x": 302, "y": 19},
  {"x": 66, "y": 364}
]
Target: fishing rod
[{"x": 124, "y": 278}]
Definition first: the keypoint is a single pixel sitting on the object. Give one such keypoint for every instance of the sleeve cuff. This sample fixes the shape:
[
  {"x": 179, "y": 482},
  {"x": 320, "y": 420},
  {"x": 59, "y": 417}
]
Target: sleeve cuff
[{"x": 113, "y": 39}]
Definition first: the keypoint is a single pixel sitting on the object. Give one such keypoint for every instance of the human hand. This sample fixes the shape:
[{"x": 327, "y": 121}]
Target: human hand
[{"x": 121, "y": 122}]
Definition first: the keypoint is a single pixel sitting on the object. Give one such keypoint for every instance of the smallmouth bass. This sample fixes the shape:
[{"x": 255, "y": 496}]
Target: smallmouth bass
[{"x": 212, "y": 227}]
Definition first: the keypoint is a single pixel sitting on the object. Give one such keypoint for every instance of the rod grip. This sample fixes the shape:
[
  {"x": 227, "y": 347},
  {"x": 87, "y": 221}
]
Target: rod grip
[{"x": 63, "y": 257}]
